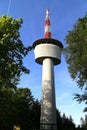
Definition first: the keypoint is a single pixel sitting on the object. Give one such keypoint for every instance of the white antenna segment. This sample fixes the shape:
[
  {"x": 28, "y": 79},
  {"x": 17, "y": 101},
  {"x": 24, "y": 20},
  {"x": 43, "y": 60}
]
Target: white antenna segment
[{"x": 9, "y": 7}]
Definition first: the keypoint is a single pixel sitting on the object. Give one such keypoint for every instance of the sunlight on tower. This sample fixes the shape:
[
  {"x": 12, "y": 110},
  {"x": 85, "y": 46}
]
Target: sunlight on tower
[{"x": 48, "y": 53}]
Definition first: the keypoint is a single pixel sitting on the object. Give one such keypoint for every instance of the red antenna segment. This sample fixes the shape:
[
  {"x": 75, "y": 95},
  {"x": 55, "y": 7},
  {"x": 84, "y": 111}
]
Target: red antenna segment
[{"x": 47, "y": 33}]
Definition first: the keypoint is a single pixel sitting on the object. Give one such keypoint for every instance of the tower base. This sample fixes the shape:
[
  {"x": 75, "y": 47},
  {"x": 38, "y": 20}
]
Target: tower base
[{"x": 45, "y": 126}]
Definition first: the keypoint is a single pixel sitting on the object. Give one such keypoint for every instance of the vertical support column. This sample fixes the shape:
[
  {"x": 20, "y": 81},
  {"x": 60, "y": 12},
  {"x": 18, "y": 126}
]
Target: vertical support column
[{"x": 48, "y": 105}]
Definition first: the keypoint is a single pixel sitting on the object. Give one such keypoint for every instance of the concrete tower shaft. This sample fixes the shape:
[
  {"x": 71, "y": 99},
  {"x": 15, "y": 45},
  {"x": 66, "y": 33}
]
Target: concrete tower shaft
[{"x": 48, "y": 53}]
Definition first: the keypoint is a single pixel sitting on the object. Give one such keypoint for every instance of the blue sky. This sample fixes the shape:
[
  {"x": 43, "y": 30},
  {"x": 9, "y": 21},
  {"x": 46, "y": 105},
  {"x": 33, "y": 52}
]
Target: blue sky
[{"x": 63, "y": 15}]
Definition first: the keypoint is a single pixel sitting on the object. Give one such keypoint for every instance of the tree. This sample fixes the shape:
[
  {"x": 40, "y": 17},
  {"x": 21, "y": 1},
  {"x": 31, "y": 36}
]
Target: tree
[
  {"x": 59, "y": 120},
  {"x": 23, "y": 105},
  {"x": 64, "y": 123},
  {"x": 16, "y": 108},
  {"x": 84, "y": 122},
  {"x": 6, "y": 106},
  {"x": 76, "y": 55},
  {"x": 12, "y": 51},
  {"x": 36, "y": 109}
]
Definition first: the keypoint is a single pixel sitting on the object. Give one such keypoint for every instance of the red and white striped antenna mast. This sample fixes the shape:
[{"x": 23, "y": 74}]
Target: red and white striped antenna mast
[{"x": 47, "y": 33}]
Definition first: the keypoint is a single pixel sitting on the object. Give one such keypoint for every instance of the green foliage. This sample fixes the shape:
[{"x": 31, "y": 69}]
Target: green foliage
[
  {"x": 65, "y": 123},
  {"x": 76, "y": 51},
  {"x": 18, "y": 107},
  {"x": 84, "y": 122},
  {"x": 15, "y": 108},
  {"x": 76, "y": 56},
  {"x": 12, "y": 51}
]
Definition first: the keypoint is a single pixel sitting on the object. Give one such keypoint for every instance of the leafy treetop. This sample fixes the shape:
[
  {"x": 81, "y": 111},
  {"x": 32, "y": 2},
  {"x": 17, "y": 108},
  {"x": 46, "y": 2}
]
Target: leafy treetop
[
  {"x": 12, "y": 51},
  {"x": 76, "y": 52}
]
